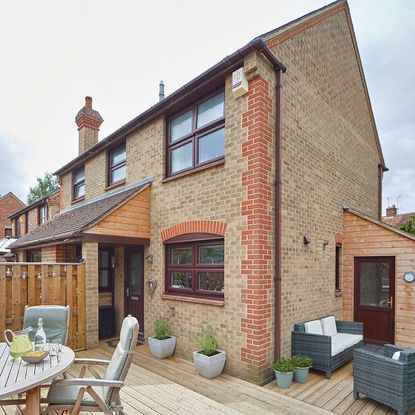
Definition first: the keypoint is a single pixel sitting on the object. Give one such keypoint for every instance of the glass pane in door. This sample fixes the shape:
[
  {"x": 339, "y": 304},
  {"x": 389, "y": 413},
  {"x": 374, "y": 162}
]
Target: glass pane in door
[
  {"x": 374, "y": 284},
  {"x": 135, "y": 270}
]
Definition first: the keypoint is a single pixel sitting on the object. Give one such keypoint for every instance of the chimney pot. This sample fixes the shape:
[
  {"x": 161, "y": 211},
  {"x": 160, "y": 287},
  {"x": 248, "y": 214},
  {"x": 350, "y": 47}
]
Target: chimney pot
[
  {"x": 88, "y": 102},
  {"x": 161, "y": 90},
  {"x": 391, "y": 211}
]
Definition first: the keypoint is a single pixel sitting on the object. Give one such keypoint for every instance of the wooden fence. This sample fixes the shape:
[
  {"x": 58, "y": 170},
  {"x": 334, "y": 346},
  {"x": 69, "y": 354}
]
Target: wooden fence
[{"x": 30, "y": 283}]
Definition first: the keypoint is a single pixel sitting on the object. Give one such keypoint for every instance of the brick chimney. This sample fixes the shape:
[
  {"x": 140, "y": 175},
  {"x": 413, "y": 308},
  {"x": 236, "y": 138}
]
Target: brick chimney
[
  {"x": 88, "y": 122},
  {"x": 391, "y": 211}
]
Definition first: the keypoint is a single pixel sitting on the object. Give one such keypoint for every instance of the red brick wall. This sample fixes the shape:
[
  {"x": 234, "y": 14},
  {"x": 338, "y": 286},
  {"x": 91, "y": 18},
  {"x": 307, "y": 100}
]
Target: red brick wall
[
  {"x": 257, "y": 265},
  {"x": 9, "y": 204}
]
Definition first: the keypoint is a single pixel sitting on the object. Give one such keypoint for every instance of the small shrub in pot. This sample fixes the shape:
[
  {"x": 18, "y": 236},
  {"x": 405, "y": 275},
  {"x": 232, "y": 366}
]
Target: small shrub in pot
[
  {"x": 283, "y": 370},
  {"x": 209, "y": 360},
  {"x": 302, "y": 366},
  {"x": 161, "y": 345}
]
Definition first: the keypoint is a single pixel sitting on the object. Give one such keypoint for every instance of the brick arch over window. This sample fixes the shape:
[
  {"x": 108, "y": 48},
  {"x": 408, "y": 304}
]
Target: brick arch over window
[{"x": 195, "y": 226}]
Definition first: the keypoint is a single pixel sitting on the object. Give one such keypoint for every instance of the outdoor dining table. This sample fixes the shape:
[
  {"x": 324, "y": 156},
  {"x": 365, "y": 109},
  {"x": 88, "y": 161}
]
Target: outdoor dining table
[{"x": 18, "y": 376}]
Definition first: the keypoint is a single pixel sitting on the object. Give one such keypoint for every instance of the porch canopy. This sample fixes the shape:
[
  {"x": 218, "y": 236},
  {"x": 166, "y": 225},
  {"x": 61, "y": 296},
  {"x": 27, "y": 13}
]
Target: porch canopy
[{"x": 120, "y": 216}]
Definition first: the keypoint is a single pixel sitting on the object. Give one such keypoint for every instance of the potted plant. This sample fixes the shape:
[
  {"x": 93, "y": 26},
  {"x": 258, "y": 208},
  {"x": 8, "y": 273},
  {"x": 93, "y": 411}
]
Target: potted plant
[
  {"x": 302, "y": 366},
  {"x": 161, "y": 344},
  {"x": 283, "y": 370},
  {"x": 209, "y": 360}
]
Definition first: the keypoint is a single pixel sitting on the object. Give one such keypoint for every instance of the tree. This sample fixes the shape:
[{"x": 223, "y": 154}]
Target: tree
[
  {"x": 43, "y": 186},
  {"x": 409, "y": 225}
]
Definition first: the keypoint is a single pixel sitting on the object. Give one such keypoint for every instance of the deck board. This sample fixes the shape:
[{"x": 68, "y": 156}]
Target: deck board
[{"x": 172, "y": 387}]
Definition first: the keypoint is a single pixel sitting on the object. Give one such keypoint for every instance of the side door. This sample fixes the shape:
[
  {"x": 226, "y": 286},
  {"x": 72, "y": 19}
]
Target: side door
[
  {"x": 374, "y": 293},
  {"x": 134, "y": 284}
]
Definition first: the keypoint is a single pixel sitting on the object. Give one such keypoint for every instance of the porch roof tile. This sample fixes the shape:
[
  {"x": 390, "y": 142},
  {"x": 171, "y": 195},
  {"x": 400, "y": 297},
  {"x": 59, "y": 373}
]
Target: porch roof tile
[{"x": 71, "y": 222}]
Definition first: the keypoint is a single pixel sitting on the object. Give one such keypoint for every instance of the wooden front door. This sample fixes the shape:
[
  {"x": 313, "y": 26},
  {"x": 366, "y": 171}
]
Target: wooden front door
[
  {"x": 374, "y": 293},
  {"x": 134, "y": 284}
]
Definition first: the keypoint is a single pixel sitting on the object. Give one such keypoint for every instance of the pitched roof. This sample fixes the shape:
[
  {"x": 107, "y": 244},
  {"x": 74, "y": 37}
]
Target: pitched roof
[
  {"x": 378, "y": 222},
  {"x": 71, "y": 222},
  {"x": 5, "y": 243},
  {"x": 398, "y": 220},
  {"x": 11, "y": 194}
]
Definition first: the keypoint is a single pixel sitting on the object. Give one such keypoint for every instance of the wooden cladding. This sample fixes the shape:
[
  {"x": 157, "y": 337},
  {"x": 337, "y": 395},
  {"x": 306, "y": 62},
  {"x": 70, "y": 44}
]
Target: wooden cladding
[
  {"x": 33, "y": 284},
  {"x": 132, "y": 219}
]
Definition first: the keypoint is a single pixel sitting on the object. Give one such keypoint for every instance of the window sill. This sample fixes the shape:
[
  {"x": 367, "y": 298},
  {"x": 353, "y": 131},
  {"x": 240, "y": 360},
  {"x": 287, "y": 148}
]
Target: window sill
[
  {"x": 114, "y": 185},
  {"x": 195, "y": 170},
  {"x": 80, "y": 199},
  {"x": 196, "y": 300},
  {"x": 339, "y": 294}
]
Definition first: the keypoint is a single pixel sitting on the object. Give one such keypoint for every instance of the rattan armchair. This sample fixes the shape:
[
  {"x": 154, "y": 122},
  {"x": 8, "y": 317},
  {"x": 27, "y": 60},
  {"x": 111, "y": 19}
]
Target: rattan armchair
[{"x": 386, "y": 380}]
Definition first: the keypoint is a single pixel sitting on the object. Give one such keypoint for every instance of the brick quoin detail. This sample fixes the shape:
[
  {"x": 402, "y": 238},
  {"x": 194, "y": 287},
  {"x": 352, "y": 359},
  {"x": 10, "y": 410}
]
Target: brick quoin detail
[
  {"x": 256, "y": 267},
  {"x": 195, "y": 226}
]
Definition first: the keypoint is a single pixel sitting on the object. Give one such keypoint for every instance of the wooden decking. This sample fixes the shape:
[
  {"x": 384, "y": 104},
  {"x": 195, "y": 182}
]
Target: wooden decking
[{"x": 172, "y": 386}]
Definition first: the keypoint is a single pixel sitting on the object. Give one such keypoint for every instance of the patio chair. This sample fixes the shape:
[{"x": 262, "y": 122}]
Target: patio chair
[
  {"x": 55, "y": 320},
  {"x": 386, "y": 376},
  {"x": 96, "y": 394}
]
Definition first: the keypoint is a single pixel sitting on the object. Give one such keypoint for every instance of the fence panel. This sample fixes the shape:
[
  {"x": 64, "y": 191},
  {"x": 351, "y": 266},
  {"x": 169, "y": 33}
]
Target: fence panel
[{"x": 24, "y": 283}]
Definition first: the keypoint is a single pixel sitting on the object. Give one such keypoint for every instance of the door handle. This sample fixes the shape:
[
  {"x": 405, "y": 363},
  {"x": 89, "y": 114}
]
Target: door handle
[
  {"x": 127, "y": 290},
  {"x": 390, "y": 302}
]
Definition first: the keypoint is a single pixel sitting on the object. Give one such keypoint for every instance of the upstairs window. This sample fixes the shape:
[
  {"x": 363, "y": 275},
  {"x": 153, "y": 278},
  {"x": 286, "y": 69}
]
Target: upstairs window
[
  {"x": 196, "y": 268},
  {"x": 197, "y": 136},
  {"x": 117, "y": 170},
  {"x": 79, "y": 183},
  {"x": 17, "y": 228},
  {"x": 43, "y": 213},
  {"x": 8, "y": 233}
]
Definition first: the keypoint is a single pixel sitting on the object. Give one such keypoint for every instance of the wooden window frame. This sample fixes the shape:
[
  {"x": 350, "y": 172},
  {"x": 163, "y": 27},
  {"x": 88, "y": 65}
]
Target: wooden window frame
[
  {"x": 110, "y": 287},
  {"x": 39, "y": 217},
  {"x": 17, "y": 228},
  {"x": 338, "y": 258},
  {"x": 77, "y": 184},
  {"x": 8, "y": 232},
  {"x": 194, "y": 268},
  {"x": 194, "y": 136},
  {"x": 114, "y": 167}
]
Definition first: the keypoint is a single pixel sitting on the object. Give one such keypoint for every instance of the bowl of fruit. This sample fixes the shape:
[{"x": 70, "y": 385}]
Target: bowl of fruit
[{"x": 35, "y": 356}]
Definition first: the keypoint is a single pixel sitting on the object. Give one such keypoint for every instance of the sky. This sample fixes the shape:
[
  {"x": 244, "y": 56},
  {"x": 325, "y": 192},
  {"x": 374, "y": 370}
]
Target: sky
[{"x": 55, "y": 53}]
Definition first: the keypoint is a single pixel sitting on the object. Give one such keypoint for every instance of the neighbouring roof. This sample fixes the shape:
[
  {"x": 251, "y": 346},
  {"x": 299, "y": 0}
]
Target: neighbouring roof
[
  {"x": 4, "y": 245},
  {"x": 378, "y": 222},
  {"x": 37, "y": 202},
  {"x": 399, "y": 219},
  {"x": 69, "y": 223},
  {"x": 11, "y": 194}
]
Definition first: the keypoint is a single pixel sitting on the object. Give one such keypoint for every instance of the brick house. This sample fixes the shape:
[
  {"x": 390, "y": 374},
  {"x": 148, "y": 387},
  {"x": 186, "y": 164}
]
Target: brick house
[
  {"x": 9, "y": 203},
  {"x": 30, "y": 217},
  {"x": 396, "y": 219},
  {"x": 221, "y": 205}
]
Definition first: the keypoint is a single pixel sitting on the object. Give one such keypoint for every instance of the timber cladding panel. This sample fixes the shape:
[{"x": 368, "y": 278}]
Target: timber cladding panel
[
  {"x": 365, "y": 238},
  {"x": 132, "y": 219},
  {"x": 330, "y": 158}
]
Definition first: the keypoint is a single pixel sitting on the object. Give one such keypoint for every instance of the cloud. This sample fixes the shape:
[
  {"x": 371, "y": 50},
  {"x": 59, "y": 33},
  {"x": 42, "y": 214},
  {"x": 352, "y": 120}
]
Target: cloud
[{"x": 15, "y": 164}]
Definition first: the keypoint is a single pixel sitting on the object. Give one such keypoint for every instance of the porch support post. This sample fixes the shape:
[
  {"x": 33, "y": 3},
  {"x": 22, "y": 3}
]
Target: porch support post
[{"x": 90, "y": 255}]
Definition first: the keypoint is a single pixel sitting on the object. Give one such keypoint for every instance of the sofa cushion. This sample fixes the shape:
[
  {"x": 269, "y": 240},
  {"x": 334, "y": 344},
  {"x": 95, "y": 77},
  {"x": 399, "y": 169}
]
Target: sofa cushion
[
  {"x": 346, "y": 340},
  {"x": 313, "y": 327},
  {"x": 329, "y": 326},
  {"x": 396, "y": 355},
  {"x": 336, "y": 348}
]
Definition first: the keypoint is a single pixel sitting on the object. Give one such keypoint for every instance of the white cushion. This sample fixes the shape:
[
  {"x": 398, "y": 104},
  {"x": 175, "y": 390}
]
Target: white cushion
[
  {"x": 346, "y": 340},
  {"x": 313, "y": 327},
  {"x": 329, "y": 326},
  {"x": 396, "y": 355},
  {"x": 336, "y": 348}
]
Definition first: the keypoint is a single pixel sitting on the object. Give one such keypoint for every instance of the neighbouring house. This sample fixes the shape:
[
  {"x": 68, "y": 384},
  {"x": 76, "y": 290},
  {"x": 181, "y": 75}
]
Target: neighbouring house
[
  {"x": 224, "y": 204},
  {"x": 30, "y": 217},
  {"x": 9, "y": 203},
  {"x": 396, "y": 219},
  {"x": 5, "y": 254}
]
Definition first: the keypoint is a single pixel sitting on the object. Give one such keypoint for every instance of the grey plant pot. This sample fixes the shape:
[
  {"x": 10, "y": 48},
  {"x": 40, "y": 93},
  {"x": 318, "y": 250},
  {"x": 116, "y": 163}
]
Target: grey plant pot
[
  {"x": 301, "y": 374},
  {"x": 162, "y": 348},
  {"x": 209, "y": 366},
  {"x": 284, "y": 379}
]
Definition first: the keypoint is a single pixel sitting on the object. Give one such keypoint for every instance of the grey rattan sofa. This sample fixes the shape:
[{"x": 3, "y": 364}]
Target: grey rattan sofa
[
  {"x": 319, "y": 346},
  {"x": 388, "y": 381}
]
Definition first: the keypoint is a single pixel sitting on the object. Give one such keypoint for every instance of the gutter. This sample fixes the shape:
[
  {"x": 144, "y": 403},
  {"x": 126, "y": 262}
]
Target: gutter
[{"x": 215, "y": 73}]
